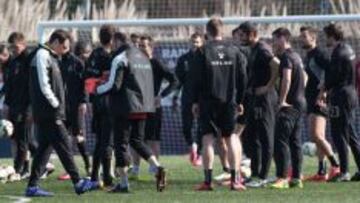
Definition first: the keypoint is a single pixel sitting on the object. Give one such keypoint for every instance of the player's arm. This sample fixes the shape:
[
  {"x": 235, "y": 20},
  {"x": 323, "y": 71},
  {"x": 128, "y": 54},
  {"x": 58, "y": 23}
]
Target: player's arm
[
  {"x": 285, "y": 83},
  {"x": 42, "y": 58},
  {"x": 170, "y": 77},
  {"x": 180, "y": 75},
  {"x": 115, "y": 79},
  {"x": 241, "y": 79},
  {"x": 274, "y": 63},
  {"x": 305, "y": 77},
  {"x": 80, "y": 85},
  {"x": 8, "y": 88},
  {"x": 196, "y": 76},
  {"x": 274, "y": 66},
  {"x": 323, "y": 62}
]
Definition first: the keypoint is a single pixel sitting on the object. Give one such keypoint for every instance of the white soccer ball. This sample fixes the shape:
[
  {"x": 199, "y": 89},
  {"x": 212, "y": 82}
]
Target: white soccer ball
[
  {"x": 7, "y": 174},
  {"x": 245, "y": 171},
  {"x": 6, "y": 128},
  {"x": 309, "y": 149}
]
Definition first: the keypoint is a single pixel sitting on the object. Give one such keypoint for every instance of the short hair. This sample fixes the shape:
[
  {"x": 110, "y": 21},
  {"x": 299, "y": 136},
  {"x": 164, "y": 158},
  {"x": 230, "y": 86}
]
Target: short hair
[
  {"x": 234, "y": 31},
  {"x": 196, "y": 35},
  {"x": 120, "y": 36},
  {"x": 80, "y": 47},
  {"x": 134, "y": 35},
  {"x": 247, "y": 27},
  {"x": 16, "y": 37},
  {"x": 214, "y": 26},
  {"x": 106, "y": 34},
  {"x": 148, "y": 38},
  {"x": 335, "y": 31},
  {"x": 310, "y": 29},
  {"x": 282, "y": 32},
  {"x": 60, "y": 35},
  {"x": 2, "y": 48}
]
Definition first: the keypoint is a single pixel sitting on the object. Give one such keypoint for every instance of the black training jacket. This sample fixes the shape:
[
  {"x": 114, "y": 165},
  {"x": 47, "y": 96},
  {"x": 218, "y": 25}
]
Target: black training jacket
[
  {"x": 222, "y": 73},
  {"x": 17, "y": 84},
  {"x": 130, "y": 84},
  {"x": 47, "y": 93}
]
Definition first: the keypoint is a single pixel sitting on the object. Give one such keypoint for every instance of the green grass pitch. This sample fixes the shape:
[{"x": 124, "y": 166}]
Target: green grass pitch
[{"x": 181, "y": 180}]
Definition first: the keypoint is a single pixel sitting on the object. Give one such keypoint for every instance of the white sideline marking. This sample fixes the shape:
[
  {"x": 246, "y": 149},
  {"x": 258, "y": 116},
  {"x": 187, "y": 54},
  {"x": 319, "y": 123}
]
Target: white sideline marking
[{"x": 17, "y": 199}]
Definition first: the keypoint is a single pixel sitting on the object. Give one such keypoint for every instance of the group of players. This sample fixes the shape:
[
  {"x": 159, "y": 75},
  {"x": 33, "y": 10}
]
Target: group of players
[{"x": 246, "y": 95}]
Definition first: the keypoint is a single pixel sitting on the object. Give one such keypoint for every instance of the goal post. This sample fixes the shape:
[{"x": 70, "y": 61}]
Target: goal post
[{"x": 87, "y": 24}]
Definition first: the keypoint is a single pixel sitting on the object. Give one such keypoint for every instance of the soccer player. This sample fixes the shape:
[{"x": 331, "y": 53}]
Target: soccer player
[
  {"x": 47, "y": 98},
  {"x": 72, "y": 70},
  {"x": 183, "y": 71},
  {"x": 131, "y": 90},
  {"x": 83, "y": 50},
  {"x": 218, "y": 94},
  {"x": 97, "y": 71},
  {"x": 316, "y": 63},
  {"x": 291, "y": 104},
  {"x": 339, "y": 90},
  {"x": 17, "y": 100},
  {"x": 225, "y": 176},
  {"x": 262, "y": 72},
  {"x": 160, "y": 74},
  {"x": 135, "y": 39}
]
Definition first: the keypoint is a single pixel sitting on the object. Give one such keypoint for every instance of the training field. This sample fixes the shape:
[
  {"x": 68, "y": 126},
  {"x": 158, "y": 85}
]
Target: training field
[{"x": 182, "y": 179}]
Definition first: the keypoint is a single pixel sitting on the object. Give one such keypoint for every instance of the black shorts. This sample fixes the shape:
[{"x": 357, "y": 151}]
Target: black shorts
[
  {"x": 217, "y": 118},
  {"x": 153, "y": 126},
  {"x": 313, "y": 108}
]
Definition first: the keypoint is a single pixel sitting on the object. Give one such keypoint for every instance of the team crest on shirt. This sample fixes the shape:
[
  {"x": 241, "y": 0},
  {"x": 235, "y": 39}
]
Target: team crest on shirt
[{"x": 221, "y": 55}]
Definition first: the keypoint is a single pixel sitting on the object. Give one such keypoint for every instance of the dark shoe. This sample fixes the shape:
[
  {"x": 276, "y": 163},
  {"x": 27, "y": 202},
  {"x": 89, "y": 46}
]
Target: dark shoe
[
  {"x": 37, "y": 192},
  {"x": 160, "y": 179}
]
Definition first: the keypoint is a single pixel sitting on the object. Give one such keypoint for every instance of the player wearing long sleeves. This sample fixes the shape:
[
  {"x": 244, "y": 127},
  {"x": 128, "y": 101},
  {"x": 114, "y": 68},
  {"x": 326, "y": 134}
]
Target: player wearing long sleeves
[
  {"x": 131, "y": 89},
  {"x": 153, "y": 121},
  {"x": 96, "y": 72},
  {"x": 339, "y": 90},
  {"x": 184, "y": 70},
  {"x": 48, "y": 104}
]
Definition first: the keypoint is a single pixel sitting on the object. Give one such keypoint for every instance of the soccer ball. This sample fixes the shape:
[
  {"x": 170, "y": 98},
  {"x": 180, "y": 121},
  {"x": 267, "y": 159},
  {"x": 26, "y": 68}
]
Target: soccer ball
[
  {"x": 245, "y": 169},
  {"x": 309, "y": 149},
  {"x": 6, "y": 128},
  {"x": 8, "y": 174}
]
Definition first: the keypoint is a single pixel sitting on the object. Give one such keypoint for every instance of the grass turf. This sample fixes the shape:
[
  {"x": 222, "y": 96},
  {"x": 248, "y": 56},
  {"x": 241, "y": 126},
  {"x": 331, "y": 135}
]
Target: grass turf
[{"x": 182, "y": 178}]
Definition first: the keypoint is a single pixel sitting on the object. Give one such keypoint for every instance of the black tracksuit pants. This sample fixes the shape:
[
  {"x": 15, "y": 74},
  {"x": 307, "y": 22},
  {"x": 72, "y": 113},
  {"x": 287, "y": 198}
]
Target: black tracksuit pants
[
  {"x": 288, "y": 142},
  {"x": 22, "y": 139},
  {"x": 73, "y": 126},
  {"x": 103, "y": 148},
  {"x": 261, "y": 125},
  {"x": 127, "y": 132},
  {"x": 342, "y": 106},
  {"x": 53, "y": 135}
]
